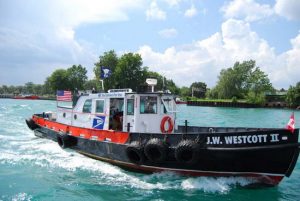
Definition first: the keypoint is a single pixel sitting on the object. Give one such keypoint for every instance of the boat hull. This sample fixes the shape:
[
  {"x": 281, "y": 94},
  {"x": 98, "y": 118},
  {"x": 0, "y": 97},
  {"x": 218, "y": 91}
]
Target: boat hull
[
  {"x": 273, "y": 156},
  {"x": 32, "y": 97}
]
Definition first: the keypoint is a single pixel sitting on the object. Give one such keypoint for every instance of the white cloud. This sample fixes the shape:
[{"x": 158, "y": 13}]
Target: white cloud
[
  {"x": 293, "y": 59},
  {"x": 155, "y": 13},
  {"x": 75, "y": 12},
  {"x": 288, "y": 9},
  {"x": 241, "y": 41},
  {"x": 191, "y": 12},
  {"x": 288, "y": 64},
  {"x": 247, "y": 10},
  {"x": 202, "y": 60},
  {"x": 168, "y": 33},
  {"x": 173, "y": 2},
  {"x": 183, "y": 66},
  {"x": 44, "y": 38},
  {"x": 41, "y": 35}
]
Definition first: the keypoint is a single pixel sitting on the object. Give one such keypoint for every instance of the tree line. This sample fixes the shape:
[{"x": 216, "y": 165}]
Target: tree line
[
  {"x": 241, "y": 81},
  {"x": 127, "y": 72}
]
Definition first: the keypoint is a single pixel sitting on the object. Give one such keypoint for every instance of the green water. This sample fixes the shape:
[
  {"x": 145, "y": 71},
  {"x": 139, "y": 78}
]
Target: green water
[{"x": 37, "y": 169}]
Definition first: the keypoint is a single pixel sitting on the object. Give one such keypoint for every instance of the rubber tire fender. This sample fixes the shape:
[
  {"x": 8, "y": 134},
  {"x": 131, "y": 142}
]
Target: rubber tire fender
[
  {"x": 66, "y": 141},
  {"x": 135, "y": 153},
  {"x": 187, "y": 151},
  {"x": 156, "y": 150},
  {"x": 31, "y": 124}
]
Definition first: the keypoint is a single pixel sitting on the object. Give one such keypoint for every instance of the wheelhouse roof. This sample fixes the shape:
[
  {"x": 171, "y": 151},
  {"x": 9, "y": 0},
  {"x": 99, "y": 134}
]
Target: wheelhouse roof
[{"x": 123, "y": 94}]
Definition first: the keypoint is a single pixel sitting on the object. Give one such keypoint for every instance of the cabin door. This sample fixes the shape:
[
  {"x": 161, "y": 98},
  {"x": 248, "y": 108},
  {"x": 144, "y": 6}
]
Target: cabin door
[
  {"x": 100, "y": 118},
  {"x": 116, "y": 112},
  {"x": 129, "y": 124}
]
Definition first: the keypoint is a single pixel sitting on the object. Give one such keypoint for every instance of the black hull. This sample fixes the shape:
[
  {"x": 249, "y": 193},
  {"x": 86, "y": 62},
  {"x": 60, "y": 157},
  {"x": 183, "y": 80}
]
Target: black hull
[{"x": 273, "y": 156}]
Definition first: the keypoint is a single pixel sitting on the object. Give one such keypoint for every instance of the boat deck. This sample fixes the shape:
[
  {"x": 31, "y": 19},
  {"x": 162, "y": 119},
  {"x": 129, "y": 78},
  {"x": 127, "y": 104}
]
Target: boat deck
[{"x": 196, "y": 129}]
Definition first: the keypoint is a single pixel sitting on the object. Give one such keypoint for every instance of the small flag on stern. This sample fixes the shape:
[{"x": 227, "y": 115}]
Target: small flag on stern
[
  {"x": 105, "y": 72},
  {"x": 291, "y": 125},
  {"x": 63, "y": 95}
]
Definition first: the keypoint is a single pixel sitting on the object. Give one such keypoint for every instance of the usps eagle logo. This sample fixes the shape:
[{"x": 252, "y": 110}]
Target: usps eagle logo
[{"x": 98, "y": 122}]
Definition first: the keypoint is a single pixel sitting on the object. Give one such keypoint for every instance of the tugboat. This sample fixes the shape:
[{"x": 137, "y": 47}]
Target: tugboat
[{"x": 137, "y": 131}]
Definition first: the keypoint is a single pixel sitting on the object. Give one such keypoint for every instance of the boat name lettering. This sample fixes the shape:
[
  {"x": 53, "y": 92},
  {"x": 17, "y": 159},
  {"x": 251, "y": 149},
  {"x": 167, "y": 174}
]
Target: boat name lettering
[
  {"x": 115, "y": 94},
  {"x": 242, "y": 139},
  {"x": 274, "y": 138}
]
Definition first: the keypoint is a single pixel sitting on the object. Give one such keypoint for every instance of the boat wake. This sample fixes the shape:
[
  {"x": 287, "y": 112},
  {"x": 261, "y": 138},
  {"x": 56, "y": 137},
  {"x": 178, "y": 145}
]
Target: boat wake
[
  {"x": 19, "y": 147},
  {"x": 33, "y": 151}
]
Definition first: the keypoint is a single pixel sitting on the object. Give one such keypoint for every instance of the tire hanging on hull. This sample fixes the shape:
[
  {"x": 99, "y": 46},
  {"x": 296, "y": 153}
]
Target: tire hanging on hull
[
  {"x": 187, "y": 151},
  {"x": 135, "y": 153},
  {"x": 65, "y": 141},
  {"x": 156, "y": 150},
  {"x": 31, "y": 124}
]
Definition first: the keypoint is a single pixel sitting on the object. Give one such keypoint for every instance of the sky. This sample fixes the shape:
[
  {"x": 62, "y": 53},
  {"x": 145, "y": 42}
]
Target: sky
[{"x": 184, "y": 40}]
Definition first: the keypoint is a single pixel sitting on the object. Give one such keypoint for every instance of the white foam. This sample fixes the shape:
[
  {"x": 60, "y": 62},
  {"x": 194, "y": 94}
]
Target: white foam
[
  {"x": 47, "y": 154},
  {"x": 21, "y": 197},
  {"x": 3, "y": 108},
  {"x": 213, "y": 185}
]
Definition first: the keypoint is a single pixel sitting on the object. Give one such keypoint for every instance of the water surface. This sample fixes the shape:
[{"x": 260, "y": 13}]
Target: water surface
[{"x": 32, "y": 168}]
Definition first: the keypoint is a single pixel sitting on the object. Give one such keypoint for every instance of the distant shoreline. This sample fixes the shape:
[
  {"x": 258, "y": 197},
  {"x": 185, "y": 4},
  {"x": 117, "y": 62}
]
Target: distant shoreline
[
  {"x": 215, "y": 103},
  {"x": 10, "y": 96},
  {"x": 204, "y": 103}
]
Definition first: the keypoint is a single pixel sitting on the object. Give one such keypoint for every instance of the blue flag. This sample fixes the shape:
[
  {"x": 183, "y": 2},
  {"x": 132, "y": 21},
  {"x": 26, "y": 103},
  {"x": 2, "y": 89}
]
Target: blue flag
[{"x": 105, "y": 72}]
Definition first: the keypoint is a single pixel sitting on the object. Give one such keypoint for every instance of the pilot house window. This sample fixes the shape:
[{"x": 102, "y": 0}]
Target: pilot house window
[
  {"x": 148, "y": 105},
  {"x": 87, "y": 107},
  {"x": 99, "y": 106},
  {"x": 130, "y": 106}
]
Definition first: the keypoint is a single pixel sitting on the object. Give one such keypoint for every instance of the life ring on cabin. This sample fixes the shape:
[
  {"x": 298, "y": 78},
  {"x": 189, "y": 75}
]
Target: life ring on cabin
[
  {"x": 31, "y": 124},
  {"x": 135, "y": 152},
  {"x": 187, "y": 151},
  {"x": 166, "y": 120},
  {"x": 156, "y": 150},
  {"x": 65, "y": 141}
]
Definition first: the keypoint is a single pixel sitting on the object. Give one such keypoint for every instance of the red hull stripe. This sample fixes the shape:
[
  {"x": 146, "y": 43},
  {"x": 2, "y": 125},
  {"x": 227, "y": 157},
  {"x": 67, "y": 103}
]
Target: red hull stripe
[{"x": 87, "y": 133}]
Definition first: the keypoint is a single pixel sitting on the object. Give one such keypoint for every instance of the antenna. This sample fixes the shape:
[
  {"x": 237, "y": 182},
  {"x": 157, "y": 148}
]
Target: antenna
[{"x": 164, "y": 84}]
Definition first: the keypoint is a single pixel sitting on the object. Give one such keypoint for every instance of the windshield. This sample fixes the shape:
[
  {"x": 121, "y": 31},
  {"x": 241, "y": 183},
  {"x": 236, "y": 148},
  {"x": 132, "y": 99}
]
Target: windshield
[{"x": 169, "y": 104}]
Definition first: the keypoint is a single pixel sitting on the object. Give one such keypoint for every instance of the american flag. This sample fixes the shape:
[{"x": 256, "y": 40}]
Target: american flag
[{"x": 63, "y": 95}]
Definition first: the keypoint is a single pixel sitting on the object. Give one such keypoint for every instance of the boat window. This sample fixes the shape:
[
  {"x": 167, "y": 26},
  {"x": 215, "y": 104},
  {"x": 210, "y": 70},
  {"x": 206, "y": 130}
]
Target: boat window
[
  {"x": 130, "y": 106},
  {"x": 163, "y": 109},
  {"x": 99, "y": 106},
  {"x": 148, "y": 105},
  {"x": 87, "y": 107},
  {"x": 169, "y": 105}
]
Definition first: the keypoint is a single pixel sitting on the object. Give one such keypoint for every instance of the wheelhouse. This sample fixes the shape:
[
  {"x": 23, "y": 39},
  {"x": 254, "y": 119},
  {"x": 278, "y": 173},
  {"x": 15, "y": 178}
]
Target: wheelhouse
[{"x": 122, "y": 110}]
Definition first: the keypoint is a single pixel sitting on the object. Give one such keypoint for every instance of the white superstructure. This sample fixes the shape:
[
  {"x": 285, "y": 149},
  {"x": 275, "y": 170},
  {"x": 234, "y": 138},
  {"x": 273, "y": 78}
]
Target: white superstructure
[{"x": 122, "y": 110}]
